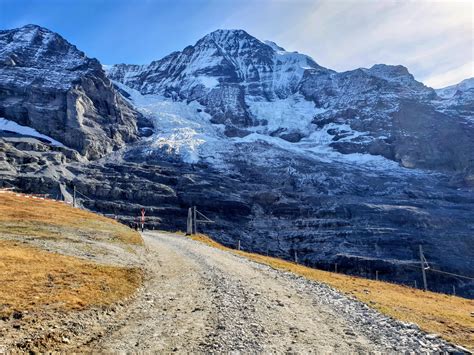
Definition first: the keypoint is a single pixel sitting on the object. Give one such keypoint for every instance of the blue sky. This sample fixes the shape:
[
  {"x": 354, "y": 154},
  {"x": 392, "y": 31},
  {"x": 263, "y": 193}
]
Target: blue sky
[{"x": 434, "y": 39}]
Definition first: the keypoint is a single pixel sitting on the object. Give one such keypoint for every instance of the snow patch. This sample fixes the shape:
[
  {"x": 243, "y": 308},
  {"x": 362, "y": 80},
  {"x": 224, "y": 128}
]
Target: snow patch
[
  {"x": 7, "y": 125},
  {"x": 294, "y": 113},
  {"x": 181, "y": 128},
  {"x": 208, "y": 81}
]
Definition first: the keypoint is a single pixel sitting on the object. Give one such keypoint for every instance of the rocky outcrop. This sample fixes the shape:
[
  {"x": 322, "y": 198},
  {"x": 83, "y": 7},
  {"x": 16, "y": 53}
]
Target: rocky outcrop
[{"x": 48, "y": 84}]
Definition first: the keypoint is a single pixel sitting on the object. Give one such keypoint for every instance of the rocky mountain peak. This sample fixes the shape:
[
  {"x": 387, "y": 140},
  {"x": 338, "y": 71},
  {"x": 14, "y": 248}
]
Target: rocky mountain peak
[
  {"x": 37, "y": 47},
  {"x": 54, "y": 88},
  {"x": 456, "y": 89}
]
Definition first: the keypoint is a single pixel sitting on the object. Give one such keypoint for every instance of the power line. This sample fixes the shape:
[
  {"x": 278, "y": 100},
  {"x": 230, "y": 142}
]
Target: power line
[
  {"x": 452, "y": 274},
  {"x": 438, "y": 271},
  {"x": 80, "y": 193},
  {"x": 6, "y": 182}
]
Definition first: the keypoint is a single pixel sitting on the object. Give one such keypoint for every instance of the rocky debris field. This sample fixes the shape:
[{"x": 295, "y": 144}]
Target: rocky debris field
[{"x": 201, "y": 299}]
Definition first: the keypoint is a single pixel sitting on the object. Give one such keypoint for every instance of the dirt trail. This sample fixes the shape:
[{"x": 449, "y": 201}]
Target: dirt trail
[{"x": 201, "y": 299}]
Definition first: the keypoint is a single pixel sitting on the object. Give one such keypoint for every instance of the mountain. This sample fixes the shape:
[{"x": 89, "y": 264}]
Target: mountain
[
  {"x": 239, "y": 81},
  {"x": 357, "y": 168},
  {"x": 48, "y": 84},
  {"x": 467, "y": 85},
  {"x": 458, "y": 100}
]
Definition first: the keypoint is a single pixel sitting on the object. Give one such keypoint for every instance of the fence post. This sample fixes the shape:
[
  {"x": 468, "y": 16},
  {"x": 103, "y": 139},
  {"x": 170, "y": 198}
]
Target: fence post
[
  {"x": 454, "y": 290},
  {"x": 296, "y": 257},
  {"x": 189, "y": 224},
  {"x": 335, "y": 268},
  {"x": 376, "y": 275},
  {"x": 238, "y": 244},
  {"x": 74, "y": 197},
  {"x": 194, "y": 219},
  {"x": 422, "y": 258}
]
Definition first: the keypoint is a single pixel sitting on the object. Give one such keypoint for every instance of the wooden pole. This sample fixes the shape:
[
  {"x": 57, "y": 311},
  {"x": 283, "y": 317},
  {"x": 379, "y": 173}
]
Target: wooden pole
[
  {"x": 194, "y": 219},
  {"x": 425, "y": 285},
  {"x": 74, "y": 197},
  {"x": 189, "y": 223}
]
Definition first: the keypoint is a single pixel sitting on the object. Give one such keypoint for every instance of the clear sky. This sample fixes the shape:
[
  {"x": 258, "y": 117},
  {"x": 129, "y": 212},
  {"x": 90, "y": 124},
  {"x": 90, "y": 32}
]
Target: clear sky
[{"x": 434, "y": 39}]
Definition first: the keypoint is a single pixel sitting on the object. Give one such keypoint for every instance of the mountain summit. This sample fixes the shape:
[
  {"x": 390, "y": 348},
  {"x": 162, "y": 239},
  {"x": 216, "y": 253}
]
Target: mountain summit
[{"x": 51, "y": 86}]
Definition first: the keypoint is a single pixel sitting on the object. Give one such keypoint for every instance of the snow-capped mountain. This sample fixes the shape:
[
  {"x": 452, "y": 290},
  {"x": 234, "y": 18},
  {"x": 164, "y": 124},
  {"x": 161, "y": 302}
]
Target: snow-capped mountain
[
  {"x": 457, "y": 89},
  {"x": 257, "y": 91},
  {"x": 48, "y": 84},
  {"x": 358, "y": 167},
  {"x": 458, "y": 100}
]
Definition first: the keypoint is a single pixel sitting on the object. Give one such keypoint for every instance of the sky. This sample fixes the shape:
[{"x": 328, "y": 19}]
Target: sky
[{"x": 433, "y": 39}]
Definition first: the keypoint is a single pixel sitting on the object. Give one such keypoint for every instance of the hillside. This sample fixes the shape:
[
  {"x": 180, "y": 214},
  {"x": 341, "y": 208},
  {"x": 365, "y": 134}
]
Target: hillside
[{"x": 59, "y": 267}]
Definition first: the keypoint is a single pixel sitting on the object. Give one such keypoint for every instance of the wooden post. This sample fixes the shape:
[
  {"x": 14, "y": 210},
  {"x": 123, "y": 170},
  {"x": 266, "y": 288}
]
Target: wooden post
[
  {"x": 423, "y": 272},
  {"x": 143, "y": 219},
  {"x": 74, "y": 197},
  {"x": 194, "y": 219},
  {"x": 376, "y": 275},
  {"x": 189, "y": 224}
]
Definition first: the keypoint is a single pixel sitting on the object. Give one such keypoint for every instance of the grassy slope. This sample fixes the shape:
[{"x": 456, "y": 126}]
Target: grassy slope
[
  {"x": 34, "y": 280},
  {"x": 22, "y": 216},
  {"x": 448, "y": 316}
]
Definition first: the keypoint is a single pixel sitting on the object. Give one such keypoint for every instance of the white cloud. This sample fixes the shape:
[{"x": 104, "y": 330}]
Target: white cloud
[
  {"x": 452, "y": 76},
  {"x": 434, "y": 39}
]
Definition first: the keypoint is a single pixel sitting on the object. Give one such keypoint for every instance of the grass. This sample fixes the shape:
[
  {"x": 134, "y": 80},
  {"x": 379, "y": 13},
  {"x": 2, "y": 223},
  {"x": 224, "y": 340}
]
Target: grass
[
  {"x": 34, "y": 279},
  {"x": 27, "y": 217},
  {"x": 449, "y": 316}
]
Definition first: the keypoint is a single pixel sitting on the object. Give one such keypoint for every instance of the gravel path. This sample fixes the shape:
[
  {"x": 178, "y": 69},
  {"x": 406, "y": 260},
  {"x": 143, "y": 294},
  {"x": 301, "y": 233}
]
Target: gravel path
[{"x": 201, "y": 299}]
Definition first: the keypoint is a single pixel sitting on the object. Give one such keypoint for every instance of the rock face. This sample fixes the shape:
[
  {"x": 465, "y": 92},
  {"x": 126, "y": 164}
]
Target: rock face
[
  {"x": 48, "y": 84},
  {"x": 356, "y": 168}
]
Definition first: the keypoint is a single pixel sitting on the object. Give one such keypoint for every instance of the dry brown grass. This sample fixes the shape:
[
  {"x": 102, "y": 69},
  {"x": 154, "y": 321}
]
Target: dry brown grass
[
  {"x": 448, "y": 316},
  {"x": 22, "y": 216},
  {"x": 33, "y": 280}
]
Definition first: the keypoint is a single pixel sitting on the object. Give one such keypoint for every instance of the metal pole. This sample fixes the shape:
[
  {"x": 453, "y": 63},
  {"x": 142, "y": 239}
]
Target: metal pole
[
  {"x": 74, "y": 197},
  {"x": 425, "y": 285},
  {"x": 238, "y": 244},
  {"x": 194, "y": 218},
  {"x": 416, "y": 286}
]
